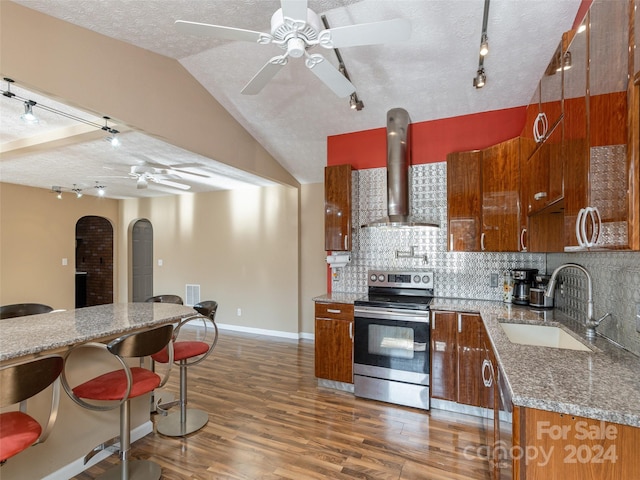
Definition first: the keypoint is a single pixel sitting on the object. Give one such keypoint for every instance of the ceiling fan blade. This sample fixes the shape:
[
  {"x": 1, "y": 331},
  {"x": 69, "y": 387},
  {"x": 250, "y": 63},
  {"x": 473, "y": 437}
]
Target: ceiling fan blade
[
  {"x": 294, "y": 9},
  {"x": 331, "y": 77},
  {"x": 266, "y": 73},
  {"x": 228, "y": 33},
  {"x": 169, "y": 183},
  {"x": 387, "y": 31}
]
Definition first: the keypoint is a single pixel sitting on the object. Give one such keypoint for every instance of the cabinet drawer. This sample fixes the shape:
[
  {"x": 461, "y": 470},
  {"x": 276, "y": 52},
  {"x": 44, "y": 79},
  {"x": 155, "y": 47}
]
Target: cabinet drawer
[{"x": 338, "y": 311}]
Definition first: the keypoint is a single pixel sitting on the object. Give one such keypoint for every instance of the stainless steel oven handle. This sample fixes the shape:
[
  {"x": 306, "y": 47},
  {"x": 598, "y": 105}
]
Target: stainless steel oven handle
[{"x": 389, "y": 314}]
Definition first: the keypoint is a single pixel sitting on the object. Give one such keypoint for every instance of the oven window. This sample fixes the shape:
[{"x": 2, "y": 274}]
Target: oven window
[{"x": 391, "y": 341}]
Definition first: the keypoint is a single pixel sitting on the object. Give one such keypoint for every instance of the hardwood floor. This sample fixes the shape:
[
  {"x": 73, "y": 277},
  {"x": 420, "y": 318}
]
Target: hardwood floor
[{"x": 268, "y": 419}]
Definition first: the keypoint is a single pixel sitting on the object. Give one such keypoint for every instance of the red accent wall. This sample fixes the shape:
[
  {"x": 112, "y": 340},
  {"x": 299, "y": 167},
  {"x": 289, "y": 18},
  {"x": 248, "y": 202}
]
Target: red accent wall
[{"x": 430, "y": 141}]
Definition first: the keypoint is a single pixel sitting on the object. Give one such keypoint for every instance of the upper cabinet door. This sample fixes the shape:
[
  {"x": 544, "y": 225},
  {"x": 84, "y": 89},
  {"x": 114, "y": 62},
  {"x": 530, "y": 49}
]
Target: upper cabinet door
[
  {"x": 464, "y": 200},
  {"x": 500, "y": 197},
  {"x": 337, "y": 208}
]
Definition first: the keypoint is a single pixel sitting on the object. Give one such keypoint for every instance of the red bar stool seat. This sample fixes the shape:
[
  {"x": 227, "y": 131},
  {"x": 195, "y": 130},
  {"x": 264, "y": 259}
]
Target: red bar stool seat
[
  {"x": 188, "y": 353},
  {"x": 119, "y": 387},
  {"x": 18, "y": 383}
]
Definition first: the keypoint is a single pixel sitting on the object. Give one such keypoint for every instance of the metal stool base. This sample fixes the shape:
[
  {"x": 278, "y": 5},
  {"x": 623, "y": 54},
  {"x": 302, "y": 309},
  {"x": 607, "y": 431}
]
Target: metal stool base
[
  {"x": 171, "y": 425},
  {"x": 138, "y": 470}
]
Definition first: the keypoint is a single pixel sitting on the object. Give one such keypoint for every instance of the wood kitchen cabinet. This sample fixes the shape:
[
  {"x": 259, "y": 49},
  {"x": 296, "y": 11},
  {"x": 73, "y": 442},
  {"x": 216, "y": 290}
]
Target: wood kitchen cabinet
[
  {"x": 575, "y": 448},
  {"x": 458, "y": 354},
  {"x": 464, "y": 200},
  {"x": 483, "y": 198},
  {"x": 334, "y": 341},
  {"x": 337, "y": 208}
]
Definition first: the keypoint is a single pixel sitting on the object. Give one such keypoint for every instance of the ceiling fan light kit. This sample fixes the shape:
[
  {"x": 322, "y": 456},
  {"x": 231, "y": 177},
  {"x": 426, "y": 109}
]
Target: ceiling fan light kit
[{"x": 296, "y": 29}]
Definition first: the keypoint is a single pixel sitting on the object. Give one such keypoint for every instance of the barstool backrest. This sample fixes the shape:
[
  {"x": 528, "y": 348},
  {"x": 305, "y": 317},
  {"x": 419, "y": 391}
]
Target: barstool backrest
[
  {"x": 23, "y": 309},
  {"x": 165, "y": 299},
  {"x": 141, "y": 344},
  {"x": 208, "y": 308},
  {"x": 24, "y": 380}
]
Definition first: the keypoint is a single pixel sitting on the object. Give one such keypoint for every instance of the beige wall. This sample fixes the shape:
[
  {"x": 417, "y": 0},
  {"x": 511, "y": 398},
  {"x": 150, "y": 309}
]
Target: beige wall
[
  {"x": 36, "y": 232},
  {"x": 240, "y": 246},
  {"x": 313, "y": 279}
]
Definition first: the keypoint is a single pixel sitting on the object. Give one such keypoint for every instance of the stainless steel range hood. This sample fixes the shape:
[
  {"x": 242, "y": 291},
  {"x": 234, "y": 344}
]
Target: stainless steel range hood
[{"x": 398, "y": 161}]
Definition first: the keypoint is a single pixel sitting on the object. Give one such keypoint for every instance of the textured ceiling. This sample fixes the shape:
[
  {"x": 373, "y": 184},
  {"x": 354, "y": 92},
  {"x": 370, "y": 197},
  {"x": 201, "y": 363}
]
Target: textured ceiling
[{"x": 430, "y": 75}]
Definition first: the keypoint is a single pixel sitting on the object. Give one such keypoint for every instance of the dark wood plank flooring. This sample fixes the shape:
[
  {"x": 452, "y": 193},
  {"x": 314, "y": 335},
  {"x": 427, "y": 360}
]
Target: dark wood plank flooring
[{"x": 268, "y": 419}]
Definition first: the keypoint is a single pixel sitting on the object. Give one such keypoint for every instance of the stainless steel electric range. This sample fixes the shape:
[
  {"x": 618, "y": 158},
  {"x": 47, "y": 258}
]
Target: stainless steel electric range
[{"x": 391, "y": 340}]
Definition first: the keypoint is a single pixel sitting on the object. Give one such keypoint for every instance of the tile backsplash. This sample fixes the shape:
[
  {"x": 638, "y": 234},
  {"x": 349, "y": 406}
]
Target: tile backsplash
[{"x": 616, "y": 275}]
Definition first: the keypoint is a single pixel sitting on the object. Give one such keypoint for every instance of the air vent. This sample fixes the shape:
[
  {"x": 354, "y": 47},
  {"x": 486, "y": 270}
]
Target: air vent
[{"x": 192, "y": 295}]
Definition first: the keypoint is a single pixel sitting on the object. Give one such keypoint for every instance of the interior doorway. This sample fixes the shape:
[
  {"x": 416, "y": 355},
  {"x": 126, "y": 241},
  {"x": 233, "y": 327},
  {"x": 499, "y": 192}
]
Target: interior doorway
[
  {"x": 142, "y": 260},
  {"x": 94, "y": 261}
]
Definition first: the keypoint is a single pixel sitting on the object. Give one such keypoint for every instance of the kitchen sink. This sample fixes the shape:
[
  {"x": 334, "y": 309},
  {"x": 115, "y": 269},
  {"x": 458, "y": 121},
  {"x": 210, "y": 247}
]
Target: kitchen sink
[{"x": 542, "y": 336}]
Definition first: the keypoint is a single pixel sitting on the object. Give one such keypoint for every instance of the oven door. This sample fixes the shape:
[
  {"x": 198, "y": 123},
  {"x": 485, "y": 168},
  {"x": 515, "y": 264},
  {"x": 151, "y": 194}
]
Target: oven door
[{"x": 392, "y": 344}]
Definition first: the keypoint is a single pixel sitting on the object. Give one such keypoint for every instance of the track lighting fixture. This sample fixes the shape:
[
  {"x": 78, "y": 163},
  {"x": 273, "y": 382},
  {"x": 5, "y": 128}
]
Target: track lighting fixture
[
  {"x": 28, "y": 116},
  {"x": 355, "y": 103},
  {"x": 100, "y": 188},
  {"x": 58, "y": 191},
  {"x": 480, "y": 79},
  {"x": 77, "y": 191},
  {"x": 484, "y": 44},
  {"x": 481, "y": 76},
  {"x": 112, "y": 139}
]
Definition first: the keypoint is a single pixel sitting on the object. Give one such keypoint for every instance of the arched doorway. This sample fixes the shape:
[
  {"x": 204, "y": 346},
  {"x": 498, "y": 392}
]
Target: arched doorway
[
  {"x": 94, "y": 261},
  {"x": 142, "y": 260}
]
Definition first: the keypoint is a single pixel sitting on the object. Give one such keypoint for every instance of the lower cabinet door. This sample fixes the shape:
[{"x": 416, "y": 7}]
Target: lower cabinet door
[{"x": 334, "y": 350}]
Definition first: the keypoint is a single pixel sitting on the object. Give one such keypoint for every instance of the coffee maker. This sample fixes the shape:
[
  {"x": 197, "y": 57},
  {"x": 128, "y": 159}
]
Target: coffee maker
[{"x": 522, "y": 281}]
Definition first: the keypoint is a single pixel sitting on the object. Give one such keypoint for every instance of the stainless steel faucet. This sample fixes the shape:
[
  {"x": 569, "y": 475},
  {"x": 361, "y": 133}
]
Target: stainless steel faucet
[{"x": 591, "y": 323}]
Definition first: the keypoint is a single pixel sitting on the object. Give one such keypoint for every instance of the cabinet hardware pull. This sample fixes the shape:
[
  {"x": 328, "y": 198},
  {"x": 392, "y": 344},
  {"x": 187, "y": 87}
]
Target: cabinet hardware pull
[
  {"x": 487, "y": 381},
  {"x": 523, "y": 246},
  {"x": 459, "y": 323},
  {"x": 433, "y": 321},
  {"x": 540, "y": 127},
  {"x": 333, "y": 310},
  {"x": 540, "y": 195},
  {"x": 346, "y": 241},
  {"x": 580, "y": 227},
  {"x": 482, "y": 241},
  {"x": 451, "y": 242},
  {"x": 351, "y": 330}
]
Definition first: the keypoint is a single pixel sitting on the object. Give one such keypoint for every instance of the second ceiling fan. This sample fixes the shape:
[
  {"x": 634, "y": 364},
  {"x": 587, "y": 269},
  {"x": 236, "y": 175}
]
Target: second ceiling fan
[{"x": 296, "y": 29}]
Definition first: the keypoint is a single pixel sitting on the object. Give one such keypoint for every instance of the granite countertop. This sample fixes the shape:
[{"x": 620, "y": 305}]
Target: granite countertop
[
  {"x": 51, "y": 331},
  {"x": 603, "y": 384}
]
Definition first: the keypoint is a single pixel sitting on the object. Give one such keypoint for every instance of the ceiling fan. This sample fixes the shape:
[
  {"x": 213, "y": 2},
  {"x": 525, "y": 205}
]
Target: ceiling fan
[
  {"x": 153, "y": 173},
  {"x": 296, "y": 29}
]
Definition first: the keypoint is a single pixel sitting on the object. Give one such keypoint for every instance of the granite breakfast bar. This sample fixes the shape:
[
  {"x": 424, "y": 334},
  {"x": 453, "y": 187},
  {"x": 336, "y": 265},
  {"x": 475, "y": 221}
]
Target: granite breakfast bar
[{"x": 77, "y": 430}]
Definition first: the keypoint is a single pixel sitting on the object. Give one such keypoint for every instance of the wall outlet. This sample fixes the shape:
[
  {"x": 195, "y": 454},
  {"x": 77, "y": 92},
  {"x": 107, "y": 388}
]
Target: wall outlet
[
  {"x": 494, "y": 280},
  {"x": 239, "y": 312},
  {"x": 638, "y": 317}
]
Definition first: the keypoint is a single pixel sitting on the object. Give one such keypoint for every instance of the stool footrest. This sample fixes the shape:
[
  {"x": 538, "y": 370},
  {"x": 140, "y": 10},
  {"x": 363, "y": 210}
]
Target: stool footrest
[{"x": 112, "y": 445}]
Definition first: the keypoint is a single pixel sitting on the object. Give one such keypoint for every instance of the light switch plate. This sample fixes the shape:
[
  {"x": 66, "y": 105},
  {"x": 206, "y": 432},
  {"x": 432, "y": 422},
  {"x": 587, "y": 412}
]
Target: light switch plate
[
  {"x": 494, "y": 280},
  {"x": 638, "y": 317}
]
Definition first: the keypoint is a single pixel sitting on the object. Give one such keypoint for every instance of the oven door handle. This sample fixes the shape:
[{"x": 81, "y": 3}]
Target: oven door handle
[{"x": 388, "y": 314}]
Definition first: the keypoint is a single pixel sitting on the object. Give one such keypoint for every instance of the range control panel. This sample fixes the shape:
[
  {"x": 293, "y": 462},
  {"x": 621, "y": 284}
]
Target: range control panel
[{"x": 400, "y": 279}]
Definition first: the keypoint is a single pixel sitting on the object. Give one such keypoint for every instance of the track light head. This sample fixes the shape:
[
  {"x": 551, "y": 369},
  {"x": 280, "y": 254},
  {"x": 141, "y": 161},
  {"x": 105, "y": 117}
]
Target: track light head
[
  {"x": 28, "y": 116},
  {"x": 480, "y": 78},
  {"x": 355, "y": 103},
  {"x": 484, "y": 44},
  {"x": 100, "y": 188}
]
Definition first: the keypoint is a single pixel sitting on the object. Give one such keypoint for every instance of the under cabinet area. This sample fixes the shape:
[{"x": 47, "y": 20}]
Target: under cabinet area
[
  {"x": 337, "y": 208},
  {"x": 334, "y": 342}
]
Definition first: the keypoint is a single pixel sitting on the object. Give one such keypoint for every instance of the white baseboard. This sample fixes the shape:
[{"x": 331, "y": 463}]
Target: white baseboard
[
  {"x": 270, "y": 333},
  {"x": 76, "y": 467}
]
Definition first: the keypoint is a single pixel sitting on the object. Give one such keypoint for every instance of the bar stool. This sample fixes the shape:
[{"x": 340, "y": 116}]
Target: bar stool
[
  {"x": 18, "y": 383},
  {"x": 23, "y": 309},
  {"x": 120, "y": 386},
  {"x": 187, "y": 354},
  {"x": 165, "y": 299}
]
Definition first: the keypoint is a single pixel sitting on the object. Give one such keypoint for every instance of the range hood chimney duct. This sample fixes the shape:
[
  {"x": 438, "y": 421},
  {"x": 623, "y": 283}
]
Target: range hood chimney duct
[{"x": 398, "y": 162}]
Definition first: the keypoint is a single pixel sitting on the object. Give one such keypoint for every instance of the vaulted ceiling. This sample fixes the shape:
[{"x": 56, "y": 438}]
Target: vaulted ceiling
[{"x": 430, "y": 75}]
